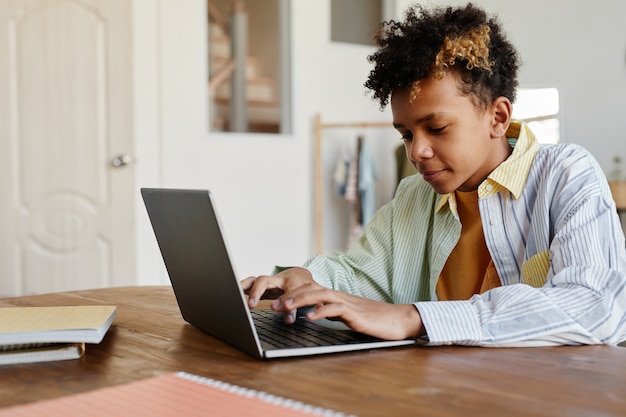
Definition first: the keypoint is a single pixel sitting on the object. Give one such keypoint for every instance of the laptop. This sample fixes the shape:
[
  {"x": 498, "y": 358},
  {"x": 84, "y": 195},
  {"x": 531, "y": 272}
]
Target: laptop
[{"x": 208, "y": 292}]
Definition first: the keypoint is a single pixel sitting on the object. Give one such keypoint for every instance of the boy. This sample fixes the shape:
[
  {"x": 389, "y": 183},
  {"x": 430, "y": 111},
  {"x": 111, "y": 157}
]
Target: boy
[{"x": 499, "y": 242}]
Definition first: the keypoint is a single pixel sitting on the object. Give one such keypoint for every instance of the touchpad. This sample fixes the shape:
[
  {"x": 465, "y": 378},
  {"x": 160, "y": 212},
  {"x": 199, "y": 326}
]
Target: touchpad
[{"x": 331, "y": 324}]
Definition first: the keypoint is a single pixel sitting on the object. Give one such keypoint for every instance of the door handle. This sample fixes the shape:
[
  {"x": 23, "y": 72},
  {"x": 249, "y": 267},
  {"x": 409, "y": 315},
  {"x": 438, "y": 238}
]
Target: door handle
[{"x": 121, "y": 160}]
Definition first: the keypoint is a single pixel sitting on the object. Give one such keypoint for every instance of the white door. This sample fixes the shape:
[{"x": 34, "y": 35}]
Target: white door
[{"x": 66, "y": 212}]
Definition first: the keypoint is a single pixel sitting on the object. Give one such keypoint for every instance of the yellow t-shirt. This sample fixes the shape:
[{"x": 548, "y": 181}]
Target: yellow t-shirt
[{"x": 469, "y": 270}]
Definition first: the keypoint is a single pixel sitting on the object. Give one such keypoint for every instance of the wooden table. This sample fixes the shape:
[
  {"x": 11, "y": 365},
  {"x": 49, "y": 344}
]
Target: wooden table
[{"x": 149, "y": 337}]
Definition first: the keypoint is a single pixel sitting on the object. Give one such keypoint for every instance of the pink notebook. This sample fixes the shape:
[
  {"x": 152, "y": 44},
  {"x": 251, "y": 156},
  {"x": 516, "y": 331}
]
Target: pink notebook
[{"x": 169, "y": 395}]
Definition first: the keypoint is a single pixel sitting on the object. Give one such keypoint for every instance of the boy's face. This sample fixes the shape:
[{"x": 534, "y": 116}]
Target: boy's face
[{"x": 452, "y": 142}]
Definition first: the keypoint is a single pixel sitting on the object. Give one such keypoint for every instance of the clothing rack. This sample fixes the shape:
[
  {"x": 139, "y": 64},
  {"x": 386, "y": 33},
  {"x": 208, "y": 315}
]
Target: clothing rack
[{"x": 319, "y": 175}]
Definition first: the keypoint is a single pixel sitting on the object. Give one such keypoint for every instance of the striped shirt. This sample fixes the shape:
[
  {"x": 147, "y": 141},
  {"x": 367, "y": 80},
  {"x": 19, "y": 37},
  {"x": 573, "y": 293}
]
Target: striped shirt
[{"x": 551, "y": 228}]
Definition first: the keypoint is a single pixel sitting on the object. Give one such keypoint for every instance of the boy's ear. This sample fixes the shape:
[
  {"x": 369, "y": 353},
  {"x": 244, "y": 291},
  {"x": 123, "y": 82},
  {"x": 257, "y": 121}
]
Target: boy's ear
[{"x": 501, "y": 110}]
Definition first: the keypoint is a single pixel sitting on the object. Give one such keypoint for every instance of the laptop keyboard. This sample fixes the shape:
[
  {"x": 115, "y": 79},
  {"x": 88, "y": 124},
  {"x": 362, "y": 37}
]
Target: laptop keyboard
[{"x": 273, "y": 330}]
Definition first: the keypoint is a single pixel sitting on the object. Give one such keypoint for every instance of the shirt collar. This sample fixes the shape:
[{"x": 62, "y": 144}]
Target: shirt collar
[{"x": 511, "y": 174}]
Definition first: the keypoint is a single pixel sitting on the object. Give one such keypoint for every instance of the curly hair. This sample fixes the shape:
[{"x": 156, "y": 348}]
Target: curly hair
[{"x": 427, "y": 43}]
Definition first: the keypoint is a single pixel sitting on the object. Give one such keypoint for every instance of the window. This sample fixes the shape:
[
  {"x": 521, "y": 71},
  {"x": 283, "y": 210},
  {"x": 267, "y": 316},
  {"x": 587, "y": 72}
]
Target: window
[
  {"x": 539, "y": 107},
  {"x": 355, "y": 21},
  {"x": 249, "y": 77}
]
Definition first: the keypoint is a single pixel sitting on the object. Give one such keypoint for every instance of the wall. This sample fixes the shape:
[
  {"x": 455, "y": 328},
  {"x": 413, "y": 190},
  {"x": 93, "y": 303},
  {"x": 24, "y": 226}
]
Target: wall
[{"x": 264, "y": 184}]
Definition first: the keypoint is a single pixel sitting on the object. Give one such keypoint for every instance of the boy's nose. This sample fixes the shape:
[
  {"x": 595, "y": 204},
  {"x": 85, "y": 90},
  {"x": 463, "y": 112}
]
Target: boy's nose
[{"x": 419, "y": 150}]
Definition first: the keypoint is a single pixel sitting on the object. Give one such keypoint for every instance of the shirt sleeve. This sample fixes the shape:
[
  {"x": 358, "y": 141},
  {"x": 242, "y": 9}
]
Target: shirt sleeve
[
  {"x": 365, "y": 269},
  {"x": 391, "y": 260}
]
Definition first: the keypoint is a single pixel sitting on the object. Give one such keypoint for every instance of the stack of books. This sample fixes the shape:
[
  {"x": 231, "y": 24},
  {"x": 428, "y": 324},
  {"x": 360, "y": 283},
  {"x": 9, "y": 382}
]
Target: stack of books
[{"x": 41, "y": 334}]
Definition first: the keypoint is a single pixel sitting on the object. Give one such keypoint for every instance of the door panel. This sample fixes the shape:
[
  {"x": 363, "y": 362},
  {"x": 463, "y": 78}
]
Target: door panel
[{"x": 65, "y": 197}]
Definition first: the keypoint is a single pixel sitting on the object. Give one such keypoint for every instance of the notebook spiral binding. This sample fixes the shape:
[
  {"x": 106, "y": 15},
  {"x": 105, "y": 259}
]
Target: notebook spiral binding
[{"x": 263, "y": 396}]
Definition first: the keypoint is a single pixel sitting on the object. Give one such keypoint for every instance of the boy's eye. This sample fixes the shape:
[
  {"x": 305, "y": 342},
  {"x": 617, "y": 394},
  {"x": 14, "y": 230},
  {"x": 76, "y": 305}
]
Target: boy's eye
[
  {"x": 436, "y": 130},
  {"x": 407, "y": 137}
]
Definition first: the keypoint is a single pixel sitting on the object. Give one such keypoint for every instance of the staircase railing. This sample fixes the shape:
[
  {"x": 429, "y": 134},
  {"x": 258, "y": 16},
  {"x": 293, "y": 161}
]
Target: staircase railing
[
  {"x": 235, "y": 68},
  {"x": 216, "y": 16},
  {"x": 239, "y": 54},
  {"x": 221, "y": 75}
]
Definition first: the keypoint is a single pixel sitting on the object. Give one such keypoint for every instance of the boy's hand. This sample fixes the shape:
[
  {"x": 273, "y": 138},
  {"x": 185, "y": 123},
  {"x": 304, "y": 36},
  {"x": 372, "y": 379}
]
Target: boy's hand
[
  {"x": 295, "y": 288},
  {"x": 273, "y": 286}
]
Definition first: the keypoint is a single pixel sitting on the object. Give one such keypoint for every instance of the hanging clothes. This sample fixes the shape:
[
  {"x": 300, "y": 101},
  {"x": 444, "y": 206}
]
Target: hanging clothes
[
  {"x": 340, "y": 175},
  {"x": 355, "y": 181},
  {"x": 367, "y": 182},
  {"x": 353, "y": 196},
  {"x": 404, "y": 167}
]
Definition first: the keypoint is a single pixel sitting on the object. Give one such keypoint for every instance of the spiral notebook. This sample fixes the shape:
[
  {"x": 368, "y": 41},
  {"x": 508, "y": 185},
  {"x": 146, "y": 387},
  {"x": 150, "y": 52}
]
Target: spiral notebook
[
  {"x": 187, "y": 229},
  {"x": 170, "y": 395},
  {"x": 40, "y": 352}
]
